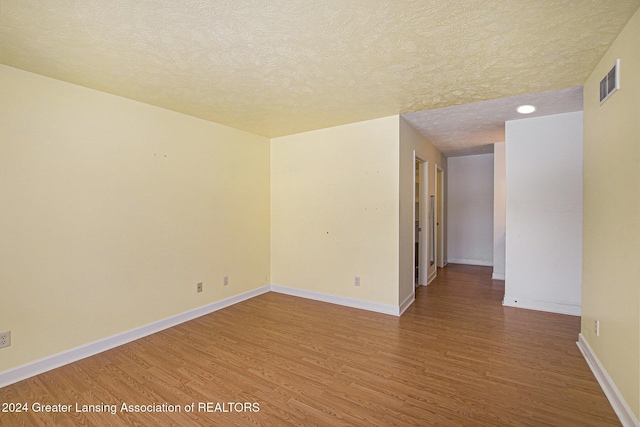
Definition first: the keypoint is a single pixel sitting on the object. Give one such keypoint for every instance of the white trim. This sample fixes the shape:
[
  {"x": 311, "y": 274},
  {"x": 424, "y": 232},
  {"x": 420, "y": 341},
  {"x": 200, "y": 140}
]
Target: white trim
[
  {"x": 416, "y": 280},
  {"x": 423, "y": 220},
  {"x": 441, "y": 218},
  {"x": 55, "y": 361},
  {"x": 482, "y": 262},
  {"x": 553, "y": 307},
  {"x": 64, "y": 358},
  {"x": 432, "y": 276},
  {"x": 407, "y": 302},
  {"x": 497, "y": 276},
  {"x": 334, "y": 299},
  {"x": 619, "y": 405}
]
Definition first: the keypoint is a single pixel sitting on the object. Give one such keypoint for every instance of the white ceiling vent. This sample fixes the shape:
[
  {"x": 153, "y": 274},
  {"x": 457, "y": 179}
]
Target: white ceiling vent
[{"x": 610, "y": 83}]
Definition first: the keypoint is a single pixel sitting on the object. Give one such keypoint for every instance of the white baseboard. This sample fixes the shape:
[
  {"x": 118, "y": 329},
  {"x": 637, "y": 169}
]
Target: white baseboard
[
  {"x": 431, "y": 277},
  {"x": 497, "y": 276},
  {"x": 333, "y": 299},
  {"x": 55, "y": 361},
  {"x": 553, "y": 307},
  {"x": 482, "y": 262},
  {"x": 407, "y": 303},
  {"x": 619, "y": 405}
]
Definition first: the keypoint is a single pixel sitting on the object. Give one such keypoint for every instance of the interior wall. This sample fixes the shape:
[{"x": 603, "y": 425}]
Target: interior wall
[
  {"x": 544, "y": 213},
  {"x": 470, "y": 210},
  {"x": 440, "y": 218},
  {"x": 611, "y": 271},
  {"x": 499, "y": 210},
  {"x": 113, "y": 210},
  {"x": 445, "y": 209},
  {"x": 411, "y": 141},
  {"x": 334, "y": 211}
]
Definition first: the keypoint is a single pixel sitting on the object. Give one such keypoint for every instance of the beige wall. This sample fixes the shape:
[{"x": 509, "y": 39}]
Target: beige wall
[
  {"x": 334, "y": 211},
  {"x": 112, "y": 210},
  {"x": 611, "y": 271},
  {"x": 410, "y": 141}
]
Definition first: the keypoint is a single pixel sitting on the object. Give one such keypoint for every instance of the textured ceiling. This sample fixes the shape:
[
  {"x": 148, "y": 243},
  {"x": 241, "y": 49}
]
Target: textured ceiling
[
  {"x": 284, "y": 66},
  {"x": 473, "y": 128}
]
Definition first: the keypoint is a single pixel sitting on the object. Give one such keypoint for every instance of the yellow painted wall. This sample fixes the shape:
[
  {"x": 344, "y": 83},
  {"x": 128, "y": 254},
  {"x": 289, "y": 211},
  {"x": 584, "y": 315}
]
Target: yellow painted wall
[
  {"x": 111, "y": 211},
  {"x": 334, "y": 210},
  {"x": 410, "y": 141},
  {"x": 611, "y": 236}
]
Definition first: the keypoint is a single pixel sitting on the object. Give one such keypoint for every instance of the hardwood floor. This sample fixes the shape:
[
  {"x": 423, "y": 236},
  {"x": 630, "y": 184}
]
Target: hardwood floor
[{"x": 455, "y": 358}]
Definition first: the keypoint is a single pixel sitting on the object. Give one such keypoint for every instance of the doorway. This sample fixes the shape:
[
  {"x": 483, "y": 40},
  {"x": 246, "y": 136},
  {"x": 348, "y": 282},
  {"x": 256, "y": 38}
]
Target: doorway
[
  {"x": 421, "y": 252},
  {"x": 439, "y": 208}
]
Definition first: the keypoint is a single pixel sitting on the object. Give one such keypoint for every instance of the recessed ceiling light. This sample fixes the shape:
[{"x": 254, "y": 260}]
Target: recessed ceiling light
[{"x": 526, "y": 109}]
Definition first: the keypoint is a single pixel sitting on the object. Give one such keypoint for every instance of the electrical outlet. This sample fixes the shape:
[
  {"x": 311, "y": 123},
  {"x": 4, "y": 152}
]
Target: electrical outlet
[
  {"x": 225, "y": 281},
  {"x": 597, "y": 327},
  {"x": 5, "y": 339},
  {"x": 356, "y": 282},
  {"x": 199, "y": 287}
]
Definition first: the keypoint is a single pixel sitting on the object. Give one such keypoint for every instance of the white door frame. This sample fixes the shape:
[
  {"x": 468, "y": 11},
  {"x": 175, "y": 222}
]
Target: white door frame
[
  {"x": 440, "y": 200},
  {"x": 423, "y": 243}
]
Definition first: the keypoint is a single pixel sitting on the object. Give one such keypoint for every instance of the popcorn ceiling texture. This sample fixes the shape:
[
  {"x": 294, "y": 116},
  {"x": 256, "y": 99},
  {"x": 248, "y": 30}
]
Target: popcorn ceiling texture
[
  {"x": 473, "y": 128},
  {"x": 284, "y": 66}
]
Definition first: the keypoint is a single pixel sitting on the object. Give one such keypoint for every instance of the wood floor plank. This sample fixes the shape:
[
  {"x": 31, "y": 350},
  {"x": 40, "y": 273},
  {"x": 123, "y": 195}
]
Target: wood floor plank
[{"x": 456, "y": 357}]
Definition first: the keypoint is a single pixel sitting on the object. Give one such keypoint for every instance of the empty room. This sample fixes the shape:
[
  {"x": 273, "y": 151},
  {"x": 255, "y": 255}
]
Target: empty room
[{"x": 320, "y": 213}]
